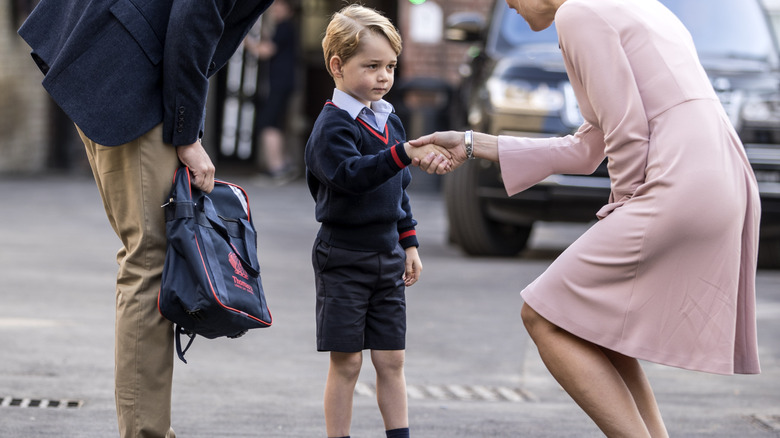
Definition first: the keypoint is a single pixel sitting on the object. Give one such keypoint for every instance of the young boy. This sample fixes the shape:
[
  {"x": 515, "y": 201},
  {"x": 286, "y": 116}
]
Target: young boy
[{"x": 365, "y": 253}]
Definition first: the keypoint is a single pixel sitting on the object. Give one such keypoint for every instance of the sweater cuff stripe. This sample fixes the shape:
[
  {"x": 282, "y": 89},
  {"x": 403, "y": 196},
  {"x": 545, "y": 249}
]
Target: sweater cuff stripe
[
  {"x": 396, "y": 158},
  {"x": 406, "y": 234}
]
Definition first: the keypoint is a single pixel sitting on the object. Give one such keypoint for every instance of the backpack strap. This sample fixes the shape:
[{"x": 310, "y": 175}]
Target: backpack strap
[
  {"x": 244, "y": 231},
  {"x": 182, "y": 331}
]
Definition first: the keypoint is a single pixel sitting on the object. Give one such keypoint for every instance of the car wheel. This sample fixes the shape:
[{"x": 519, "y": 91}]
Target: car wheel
[
  {"x": 769, "y": 253},
  {"x": 470, "y": 228}
]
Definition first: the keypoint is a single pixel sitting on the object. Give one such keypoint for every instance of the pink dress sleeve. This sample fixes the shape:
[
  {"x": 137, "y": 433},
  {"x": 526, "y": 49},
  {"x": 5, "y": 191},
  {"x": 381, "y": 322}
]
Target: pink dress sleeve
[
  {"x": 615, "y": 121},
  {"x": 526, "y": 161},
  {"x": 604, "y": 82}
]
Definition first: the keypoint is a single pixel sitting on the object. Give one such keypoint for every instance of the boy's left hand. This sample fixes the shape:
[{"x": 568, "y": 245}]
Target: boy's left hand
[{"x": 413, "y": 266}]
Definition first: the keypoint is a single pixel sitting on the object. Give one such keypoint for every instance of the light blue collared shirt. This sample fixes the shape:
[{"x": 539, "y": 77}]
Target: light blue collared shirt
[{"x": 376, "y": 116}]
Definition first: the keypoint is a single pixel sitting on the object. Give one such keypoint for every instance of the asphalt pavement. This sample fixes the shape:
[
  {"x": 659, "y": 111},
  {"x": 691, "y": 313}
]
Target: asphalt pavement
[{"x": 471, "y": 369}]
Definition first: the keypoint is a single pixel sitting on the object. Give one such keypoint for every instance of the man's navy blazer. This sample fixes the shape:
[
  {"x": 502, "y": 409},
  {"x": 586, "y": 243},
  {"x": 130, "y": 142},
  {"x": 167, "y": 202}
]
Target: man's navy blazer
[{"x": 120, "y": 67}]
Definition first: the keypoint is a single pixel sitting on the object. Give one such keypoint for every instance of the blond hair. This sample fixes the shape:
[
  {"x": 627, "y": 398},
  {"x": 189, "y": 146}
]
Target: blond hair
[{"x": 346, "y": 27}]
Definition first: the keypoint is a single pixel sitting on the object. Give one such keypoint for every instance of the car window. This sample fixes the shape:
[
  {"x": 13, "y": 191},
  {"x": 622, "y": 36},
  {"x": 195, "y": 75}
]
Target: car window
[
  {"x": 516, "y": 31},
  {"x": 513, "y": 31},
  {"x": 736, "y": 29}
]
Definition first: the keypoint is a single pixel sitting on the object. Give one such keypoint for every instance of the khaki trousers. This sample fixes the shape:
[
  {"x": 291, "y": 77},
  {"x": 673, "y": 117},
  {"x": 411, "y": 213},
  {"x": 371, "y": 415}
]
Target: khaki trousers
[{"x": 134, "y": 180}]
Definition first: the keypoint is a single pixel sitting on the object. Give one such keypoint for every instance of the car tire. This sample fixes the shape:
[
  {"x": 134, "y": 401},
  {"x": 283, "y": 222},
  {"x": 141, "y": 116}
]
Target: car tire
[{"x": 469, "y": 226}]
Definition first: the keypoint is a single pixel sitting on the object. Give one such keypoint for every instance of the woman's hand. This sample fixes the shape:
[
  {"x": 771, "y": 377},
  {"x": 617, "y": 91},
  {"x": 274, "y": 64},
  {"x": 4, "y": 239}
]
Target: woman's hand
[
  {"x": 453, "y": 141},
  {"x": 485, "y": 146},
  {"x": 436, "y": 158}
]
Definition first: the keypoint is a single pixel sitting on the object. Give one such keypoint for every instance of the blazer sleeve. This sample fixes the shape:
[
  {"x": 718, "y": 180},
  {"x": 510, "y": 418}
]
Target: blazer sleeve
[
  {"x": 606, "y": 87},
  {"x": 194, "y": 31}
]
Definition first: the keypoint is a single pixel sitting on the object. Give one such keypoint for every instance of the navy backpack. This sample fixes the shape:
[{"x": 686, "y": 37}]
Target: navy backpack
[{"x": 211, "y": 279}]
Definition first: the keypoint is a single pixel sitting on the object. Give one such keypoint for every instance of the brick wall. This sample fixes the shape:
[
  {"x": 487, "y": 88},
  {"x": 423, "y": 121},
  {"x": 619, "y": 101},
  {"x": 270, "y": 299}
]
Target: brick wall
[
  {"x": 24, "y": 105},
  {"x": 436, "y": 60}
]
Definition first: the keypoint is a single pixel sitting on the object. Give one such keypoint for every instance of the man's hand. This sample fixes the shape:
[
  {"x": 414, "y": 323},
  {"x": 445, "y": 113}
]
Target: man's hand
[{"x": 199, "y": 162}]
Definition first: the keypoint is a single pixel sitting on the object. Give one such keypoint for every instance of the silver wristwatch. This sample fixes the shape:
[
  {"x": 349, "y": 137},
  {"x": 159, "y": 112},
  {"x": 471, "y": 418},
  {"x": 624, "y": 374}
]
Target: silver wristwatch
[{"x": 469, "y": 141}]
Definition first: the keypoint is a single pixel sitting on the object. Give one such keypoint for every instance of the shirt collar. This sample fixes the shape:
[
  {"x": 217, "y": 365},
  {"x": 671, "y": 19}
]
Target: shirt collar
[{"x": 377, "y": 115}]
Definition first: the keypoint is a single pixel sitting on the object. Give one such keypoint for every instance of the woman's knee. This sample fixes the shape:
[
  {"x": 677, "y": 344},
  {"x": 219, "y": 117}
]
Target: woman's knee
[
  {"x": 536, "y": 324},
  {"x": 530, "y": 317}
]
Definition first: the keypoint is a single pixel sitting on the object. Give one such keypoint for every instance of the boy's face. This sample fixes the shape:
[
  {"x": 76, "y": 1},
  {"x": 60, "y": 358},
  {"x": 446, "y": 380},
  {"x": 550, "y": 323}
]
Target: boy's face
[{"x": 369, "y": 74}]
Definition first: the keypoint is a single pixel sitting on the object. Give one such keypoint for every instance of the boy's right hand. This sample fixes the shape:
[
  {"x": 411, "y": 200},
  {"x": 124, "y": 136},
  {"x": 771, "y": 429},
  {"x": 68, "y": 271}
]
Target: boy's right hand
[{"x": 439, "y": 157}]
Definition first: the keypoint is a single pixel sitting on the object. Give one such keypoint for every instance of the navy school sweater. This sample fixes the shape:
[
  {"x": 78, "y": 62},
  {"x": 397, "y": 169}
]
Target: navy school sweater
[{"x": 358, "y": 178}]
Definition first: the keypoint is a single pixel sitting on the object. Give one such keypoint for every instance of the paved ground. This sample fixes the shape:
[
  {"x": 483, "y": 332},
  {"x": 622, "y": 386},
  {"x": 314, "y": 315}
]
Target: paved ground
[{"x": 472, "y": 371}]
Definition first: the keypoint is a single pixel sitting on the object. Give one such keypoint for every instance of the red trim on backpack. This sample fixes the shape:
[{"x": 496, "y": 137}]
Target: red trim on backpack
[
  {"x": 246, "y": 196},
  {"x": 216, "y": 297}
]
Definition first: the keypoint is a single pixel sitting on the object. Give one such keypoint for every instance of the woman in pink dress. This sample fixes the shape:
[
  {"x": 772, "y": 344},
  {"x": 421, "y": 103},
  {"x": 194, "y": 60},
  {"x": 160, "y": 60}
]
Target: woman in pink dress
[{"x": 668, "y": 272}]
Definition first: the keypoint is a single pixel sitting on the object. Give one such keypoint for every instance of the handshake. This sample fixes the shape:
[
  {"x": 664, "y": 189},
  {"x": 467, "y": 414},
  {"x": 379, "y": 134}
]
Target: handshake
[{"x": 438, "y": 153}]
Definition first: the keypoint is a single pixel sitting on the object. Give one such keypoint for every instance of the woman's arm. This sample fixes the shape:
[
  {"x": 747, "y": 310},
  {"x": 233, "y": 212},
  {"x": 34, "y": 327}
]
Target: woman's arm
[{"x": 485, "y": 146}]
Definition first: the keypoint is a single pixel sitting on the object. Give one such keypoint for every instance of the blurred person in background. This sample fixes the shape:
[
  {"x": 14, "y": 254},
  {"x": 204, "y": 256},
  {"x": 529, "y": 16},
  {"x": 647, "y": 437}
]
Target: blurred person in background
[{"x": 279, "y": 47}]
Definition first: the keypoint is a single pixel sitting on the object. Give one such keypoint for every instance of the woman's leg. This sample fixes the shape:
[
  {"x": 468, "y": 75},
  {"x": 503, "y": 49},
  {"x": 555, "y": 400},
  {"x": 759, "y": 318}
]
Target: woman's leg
[
  {"x": 273, "y": 150},
  {"x": 636, "y": 381},
  {"x": 391, "y": 387},
  {"x": 339, "y": 389},
  {"x": 588, "y": 376}
]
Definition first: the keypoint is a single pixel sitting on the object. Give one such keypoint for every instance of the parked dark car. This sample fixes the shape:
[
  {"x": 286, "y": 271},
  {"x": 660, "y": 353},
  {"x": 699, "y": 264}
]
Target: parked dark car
[{"x": 515, "y": 83}]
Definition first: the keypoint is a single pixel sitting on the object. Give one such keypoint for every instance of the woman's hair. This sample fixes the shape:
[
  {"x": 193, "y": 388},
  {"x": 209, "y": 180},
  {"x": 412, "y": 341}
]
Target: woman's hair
[{"x": 347, "y": 27}]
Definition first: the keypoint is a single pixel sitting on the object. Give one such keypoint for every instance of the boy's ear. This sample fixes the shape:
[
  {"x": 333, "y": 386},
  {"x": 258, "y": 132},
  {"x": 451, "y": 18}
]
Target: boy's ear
[{"x": 335, "y": 66}]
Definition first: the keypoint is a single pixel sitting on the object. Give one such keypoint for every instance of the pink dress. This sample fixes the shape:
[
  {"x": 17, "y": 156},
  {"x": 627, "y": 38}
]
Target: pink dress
[{"x": 668, "y": 272}]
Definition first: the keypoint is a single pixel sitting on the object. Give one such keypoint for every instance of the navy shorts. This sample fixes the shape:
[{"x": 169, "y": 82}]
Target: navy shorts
[{"x": 361, "y": 300}]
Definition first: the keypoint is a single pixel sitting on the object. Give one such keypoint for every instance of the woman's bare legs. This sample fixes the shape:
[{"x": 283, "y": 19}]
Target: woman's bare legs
[
  {"x": 609, "y": 387},
  {"x": 273, "y": 150},
  {"x": 636, "y": 381}
]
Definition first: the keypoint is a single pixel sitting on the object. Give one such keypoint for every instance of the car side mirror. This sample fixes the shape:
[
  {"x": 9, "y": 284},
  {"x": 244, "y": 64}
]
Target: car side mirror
[{"x": 465, "y": 27}]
